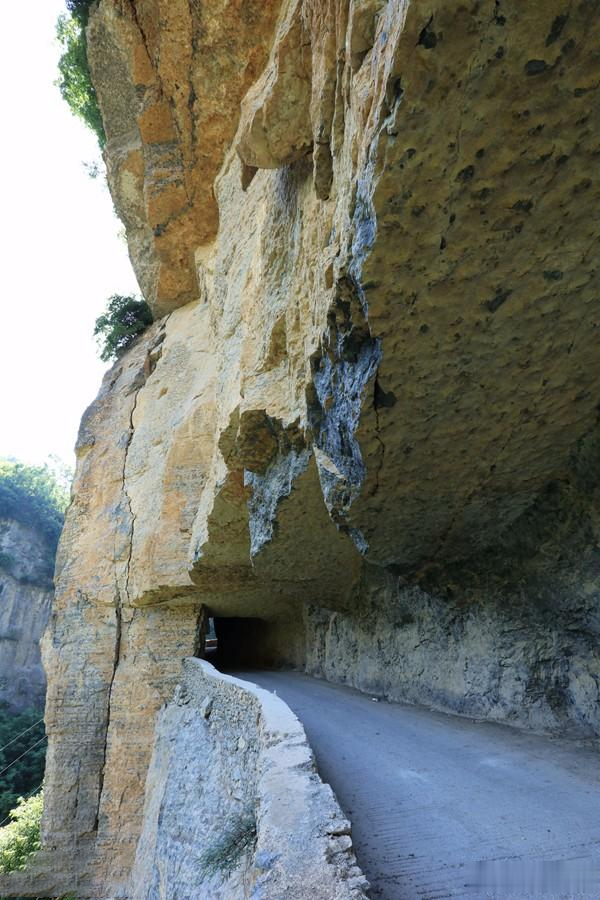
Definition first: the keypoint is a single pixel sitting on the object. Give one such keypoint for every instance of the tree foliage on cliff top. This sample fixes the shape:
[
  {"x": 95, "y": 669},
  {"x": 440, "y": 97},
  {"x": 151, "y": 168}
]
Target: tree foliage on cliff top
[
  {"x": 80, "y": 10},
  {"x": 34, "y": 496},
  {"x": 122, "y": 321},
  {"x": 74, "y": 78}
]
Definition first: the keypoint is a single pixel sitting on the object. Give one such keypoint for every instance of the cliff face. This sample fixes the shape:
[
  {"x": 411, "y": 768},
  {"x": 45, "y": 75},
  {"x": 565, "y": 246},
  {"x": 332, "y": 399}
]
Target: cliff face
[
  {"x": 26, "y": 590},
  {"x": 365, "y": 417}
]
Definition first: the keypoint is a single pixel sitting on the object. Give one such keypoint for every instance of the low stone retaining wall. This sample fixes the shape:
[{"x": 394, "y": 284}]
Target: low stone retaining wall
[{"x": 234, "y": 806}]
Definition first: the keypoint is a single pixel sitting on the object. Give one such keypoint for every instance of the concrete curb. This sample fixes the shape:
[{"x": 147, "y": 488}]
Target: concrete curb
[{"x": 303, "y": 845}]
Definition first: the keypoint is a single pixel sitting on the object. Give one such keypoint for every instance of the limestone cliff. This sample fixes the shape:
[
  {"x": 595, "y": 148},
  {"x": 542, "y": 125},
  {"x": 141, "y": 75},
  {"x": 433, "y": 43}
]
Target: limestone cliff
[
  {"x": 26, "y": 589},
  {"x": 366, "y": 415}
]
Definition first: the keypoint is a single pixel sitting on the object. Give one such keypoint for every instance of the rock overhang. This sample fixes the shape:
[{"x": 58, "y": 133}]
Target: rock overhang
[{"x": 455, "y": 384}]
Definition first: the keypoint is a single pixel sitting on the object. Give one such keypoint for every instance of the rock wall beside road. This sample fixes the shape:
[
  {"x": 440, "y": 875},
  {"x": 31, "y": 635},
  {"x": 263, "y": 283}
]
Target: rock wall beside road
[
  {"x": 511, "y": 635},
  {"x": 234, "y": 807}
]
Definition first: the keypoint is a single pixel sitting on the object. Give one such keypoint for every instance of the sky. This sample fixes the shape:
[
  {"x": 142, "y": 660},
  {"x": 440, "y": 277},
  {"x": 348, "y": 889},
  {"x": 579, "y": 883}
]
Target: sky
[{"x": 61, "y": 256}]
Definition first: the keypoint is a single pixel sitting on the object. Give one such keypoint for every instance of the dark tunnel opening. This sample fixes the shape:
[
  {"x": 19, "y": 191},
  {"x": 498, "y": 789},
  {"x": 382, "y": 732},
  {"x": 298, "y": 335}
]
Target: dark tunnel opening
[{"x": 237, "y": 643}]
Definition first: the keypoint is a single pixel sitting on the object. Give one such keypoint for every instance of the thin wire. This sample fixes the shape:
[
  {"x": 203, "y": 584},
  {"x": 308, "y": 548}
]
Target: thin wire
[
  {"x": 33, "y": 746},
  {"x": 14, "y": 740},
  {"x": 26, "y": 797}
]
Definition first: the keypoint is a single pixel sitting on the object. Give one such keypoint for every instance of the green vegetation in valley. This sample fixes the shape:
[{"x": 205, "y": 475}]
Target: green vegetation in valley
[
  {"x": 123, "y": 320},
  {"x": 21, "y": 837},
  {"x": 74, "y": 78},
  {"x": 34, "y": 496},
  {"x": 22, "y": 757}
]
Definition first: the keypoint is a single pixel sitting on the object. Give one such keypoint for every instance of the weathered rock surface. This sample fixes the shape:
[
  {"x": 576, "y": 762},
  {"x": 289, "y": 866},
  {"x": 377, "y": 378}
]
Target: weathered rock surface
[
  {"x": 367, "y": 415},
  {"x": 234, "y": 806},
  {"x": 170, "y": 75},
  {"x": 509, "y": 635},
  {"x": 26, "y": 590}
]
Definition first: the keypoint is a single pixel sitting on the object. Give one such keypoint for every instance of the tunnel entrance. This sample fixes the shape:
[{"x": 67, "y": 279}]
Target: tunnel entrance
[{"x": 237, "y": 643}]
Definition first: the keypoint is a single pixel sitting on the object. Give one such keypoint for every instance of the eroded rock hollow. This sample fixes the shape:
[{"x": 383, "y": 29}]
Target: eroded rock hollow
[{"x": 366, "y": 415}]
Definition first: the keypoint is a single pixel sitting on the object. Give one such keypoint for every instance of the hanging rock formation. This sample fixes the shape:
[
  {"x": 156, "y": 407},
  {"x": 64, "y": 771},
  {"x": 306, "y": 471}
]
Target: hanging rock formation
[{"x": 366, "y": 414}]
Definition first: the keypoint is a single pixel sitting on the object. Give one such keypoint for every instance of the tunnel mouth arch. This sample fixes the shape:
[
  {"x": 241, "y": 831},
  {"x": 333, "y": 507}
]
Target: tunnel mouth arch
[{"x": 237, "y": 642}]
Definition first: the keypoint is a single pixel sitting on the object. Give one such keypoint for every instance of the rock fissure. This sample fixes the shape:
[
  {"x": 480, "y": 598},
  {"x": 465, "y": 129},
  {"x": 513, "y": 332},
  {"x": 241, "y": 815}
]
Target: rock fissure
[
  {"x": 124, "y": 490},
  {"x": 116, "y": 661}
]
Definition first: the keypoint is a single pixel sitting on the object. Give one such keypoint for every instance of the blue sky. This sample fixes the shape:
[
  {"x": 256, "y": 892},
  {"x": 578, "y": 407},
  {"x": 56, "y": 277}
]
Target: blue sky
[{"x": 61, "y": 253}]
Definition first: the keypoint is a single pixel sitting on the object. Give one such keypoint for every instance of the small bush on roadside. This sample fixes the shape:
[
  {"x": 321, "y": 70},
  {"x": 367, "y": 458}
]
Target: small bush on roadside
[{"x": 116, "y": 329}]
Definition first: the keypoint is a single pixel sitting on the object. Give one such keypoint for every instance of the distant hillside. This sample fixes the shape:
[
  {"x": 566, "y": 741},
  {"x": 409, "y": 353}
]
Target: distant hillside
[
  {"x": 35, "y": 497},
  {"x": 32, "y": 504}
]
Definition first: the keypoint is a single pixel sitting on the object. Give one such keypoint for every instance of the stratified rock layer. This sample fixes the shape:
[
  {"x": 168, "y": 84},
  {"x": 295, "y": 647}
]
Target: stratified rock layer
[
  {"x": 26, "y": 590},
  {"x": 366, "y": 417}
]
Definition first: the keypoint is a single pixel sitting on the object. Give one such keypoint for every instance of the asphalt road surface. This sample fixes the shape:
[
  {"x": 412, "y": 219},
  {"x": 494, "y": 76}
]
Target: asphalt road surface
[{"x": 445, "y": 807}]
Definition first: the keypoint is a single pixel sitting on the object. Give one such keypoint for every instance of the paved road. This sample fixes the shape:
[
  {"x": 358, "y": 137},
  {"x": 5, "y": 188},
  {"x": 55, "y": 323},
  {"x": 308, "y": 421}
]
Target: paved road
[{"x": 432, "y": 795}]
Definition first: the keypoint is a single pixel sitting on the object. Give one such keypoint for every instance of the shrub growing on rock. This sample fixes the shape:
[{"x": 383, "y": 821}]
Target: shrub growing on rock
[
  {"x": 124, "y": 319},
  {"x": 236, "y": 839}
]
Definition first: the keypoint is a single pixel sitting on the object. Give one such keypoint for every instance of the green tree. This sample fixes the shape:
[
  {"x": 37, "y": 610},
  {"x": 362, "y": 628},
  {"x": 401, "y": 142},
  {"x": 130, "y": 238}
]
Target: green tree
[
  {"x": 80, "y": 10},
  {"x": 74, "y": 78},
  {"x": 35, "y": 496},
  {"x": 21, "y": 838},
  {"x": 123, "y": 320}
]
